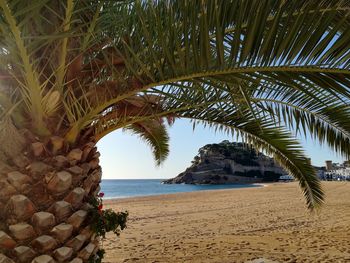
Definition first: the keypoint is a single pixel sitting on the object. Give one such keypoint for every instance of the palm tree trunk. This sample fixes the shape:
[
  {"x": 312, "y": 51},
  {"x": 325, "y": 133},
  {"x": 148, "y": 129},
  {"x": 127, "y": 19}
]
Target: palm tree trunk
[{"x": 44, "y": 206}]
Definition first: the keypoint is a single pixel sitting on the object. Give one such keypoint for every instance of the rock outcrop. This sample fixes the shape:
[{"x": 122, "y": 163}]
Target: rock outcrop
[{"x": 227, "y": 163}]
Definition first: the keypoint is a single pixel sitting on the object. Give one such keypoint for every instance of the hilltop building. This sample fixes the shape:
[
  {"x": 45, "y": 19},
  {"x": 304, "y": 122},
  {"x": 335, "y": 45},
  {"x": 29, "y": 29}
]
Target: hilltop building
[
  {"x": 329, "y": 165},
  {"x": 226, "y": 163}
]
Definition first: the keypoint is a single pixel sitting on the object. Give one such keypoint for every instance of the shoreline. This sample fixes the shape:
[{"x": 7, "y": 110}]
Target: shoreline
[
  {"x": 233, "y": 225},
  {"x": 256, "y": 185}
]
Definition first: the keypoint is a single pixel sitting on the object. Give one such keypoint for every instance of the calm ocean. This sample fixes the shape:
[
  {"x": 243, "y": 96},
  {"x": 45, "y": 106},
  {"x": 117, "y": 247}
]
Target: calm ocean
[{"x": 122, "y": 188}]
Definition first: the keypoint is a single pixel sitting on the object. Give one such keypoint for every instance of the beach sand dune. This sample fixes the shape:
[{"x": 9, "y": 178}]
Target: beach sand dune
[{"x": 267, "y": 224}]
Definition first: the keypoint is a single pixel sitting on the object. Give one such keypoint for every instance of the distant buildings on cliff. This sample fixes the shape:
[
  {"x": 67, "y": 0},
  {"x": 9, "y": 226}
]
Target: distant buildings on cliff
[
  {"x": 330, "y": 172},
  {"x": 336, "y": 171}
]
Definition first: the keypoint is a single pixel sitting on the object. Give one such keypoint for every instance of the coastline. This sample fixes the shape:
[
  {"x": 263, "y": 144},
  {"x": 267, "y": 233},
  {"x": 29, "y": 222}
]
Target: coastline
[
  {"x": 127, "y": 198},
  {"x": 233, "y": 225},
  {"x": 266, "y": 184}
]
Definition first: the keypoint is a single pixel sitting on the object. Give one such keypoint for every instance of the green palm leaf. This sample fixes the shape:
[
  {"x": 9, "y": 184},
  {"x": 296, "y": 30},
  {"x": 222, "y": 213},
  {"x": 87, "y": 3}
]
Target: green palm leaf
[{"x": 155, "y": 134}]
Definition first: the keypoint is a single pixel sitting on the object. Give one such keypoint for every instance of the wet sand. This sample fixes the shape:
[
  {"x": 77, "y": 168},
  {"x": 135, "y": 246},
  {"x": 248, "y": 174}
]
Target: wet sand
[{"x": 239, "y": 225}]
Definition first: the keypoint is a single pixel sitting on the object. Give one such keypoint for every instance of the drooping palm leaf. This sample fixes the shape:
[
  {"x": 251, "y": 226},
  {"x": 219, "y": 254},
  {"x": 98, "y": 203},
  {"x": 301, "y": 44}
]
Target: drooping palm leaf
[{"x": 155, "y": 134}]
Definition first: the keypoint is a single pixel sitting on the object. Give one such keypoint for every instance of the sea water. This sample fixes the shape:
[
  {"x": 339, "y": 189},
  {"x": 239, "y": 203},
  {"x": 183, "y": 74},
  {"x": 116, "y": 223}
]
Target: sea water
[{"x": 122, "y": 188}]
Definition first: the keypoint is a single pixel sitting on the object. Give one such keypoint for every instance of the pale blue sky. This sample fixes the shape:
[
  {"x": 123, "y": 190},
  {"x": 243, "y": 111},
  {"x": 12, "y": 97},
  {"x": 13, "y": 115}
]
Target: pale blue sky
[{"x": 125, "y": 156}]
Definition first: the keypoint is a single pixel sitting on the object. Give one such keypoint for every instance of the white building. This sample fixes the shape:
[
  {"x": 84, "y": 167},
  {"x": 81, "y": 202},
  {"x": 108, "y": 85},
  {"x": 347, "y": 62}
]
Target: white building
[{"x": 339, "y": 173}]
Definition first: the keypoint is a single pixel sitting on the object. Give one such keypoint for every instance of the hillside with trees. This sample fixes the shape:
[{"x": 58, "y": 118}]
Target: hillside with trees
[{"x": 229, "y": 162}]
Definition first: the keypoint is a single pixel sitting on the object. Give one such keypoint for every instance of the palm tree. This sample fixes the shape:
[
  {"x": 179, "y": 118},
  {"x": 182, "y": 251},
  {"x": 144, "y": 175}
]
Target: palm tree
[{"x": 73, "y": 71}]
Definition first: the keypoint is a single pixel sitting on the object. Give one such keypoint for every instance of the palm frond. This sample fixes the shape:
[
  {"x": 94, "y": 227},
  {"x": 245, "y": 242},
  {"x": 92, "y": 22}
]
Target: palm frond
[
  {"x": 279, "y": 39},
  {"x": 31, "y": 88},
  {"x": 155, "y": 134}
]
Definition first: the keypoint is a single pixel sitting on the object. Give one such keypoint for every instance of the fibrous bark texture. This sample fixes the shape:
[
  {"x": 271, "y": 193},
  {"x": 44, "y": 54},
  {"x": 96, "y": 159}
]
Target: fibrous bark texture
[{"x": 44, "y": 194}]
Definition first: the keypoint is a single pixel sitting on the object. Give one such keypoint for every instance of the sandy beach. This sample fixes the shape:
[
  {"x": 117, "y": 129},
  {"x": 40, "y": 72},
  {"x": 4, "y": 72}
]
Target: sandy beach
[{"x": 244, "y": 225}]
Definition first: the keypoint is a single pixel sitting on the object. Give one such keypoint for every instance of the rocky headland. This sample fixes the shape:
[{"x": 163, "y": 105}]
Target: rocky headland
[{"x": 227, "y": 163}]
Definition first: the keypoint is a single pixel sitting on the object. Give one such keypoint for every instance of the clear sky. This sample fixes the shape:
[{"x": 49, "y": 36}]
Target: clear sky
[{"x": 125, "y": 156}]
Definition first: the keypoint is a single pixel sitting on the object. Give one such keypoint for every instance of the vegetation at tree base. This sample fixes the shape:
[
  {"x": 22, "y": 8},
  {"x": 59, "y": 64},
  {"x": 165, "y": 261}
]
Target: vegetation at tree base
[
  {"x": 73, "y": 71},
  {"x": 104, "y": 221}
]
